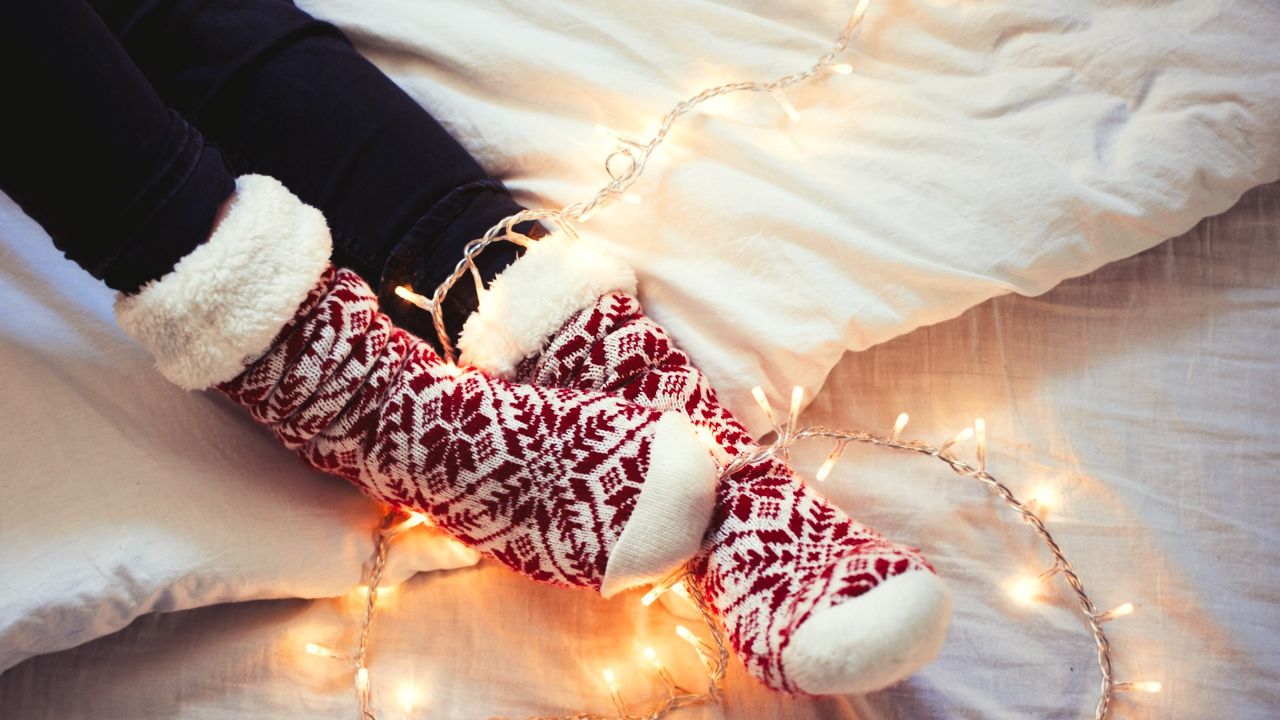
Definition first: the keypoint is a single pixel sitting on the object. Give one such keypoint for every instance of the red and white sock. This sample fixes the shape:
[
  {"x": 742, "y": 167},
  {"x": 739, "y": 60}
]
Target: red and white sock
[
  {"x": 568, "y": 487},
  {"x": 812, "y": 601}
]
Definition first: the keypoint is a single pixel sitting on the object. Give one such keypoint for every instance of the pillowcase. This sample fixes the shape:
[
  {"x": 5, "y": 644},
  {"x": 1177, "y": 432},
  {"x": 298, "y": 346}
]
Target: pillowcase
[
  {"x": 122, "y": 494},
  {"x": 977, "y": 148}
]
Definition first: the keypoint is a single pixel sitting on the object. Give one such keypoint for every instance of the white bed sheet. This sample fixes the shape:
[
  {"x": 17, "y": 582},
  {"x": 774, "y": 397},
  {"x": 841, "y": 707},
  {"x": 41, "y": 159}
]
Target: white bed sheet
[
  {"x": 122, "y": 494},
  {"x": 977, "y": 148},
  {"x": 1145, "y": 393}
]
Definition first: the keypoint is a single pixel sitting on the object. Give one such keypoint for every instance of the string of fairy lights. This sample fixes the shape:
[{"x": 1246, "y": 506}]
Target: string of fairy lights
[{"x": 624, "y": 166}]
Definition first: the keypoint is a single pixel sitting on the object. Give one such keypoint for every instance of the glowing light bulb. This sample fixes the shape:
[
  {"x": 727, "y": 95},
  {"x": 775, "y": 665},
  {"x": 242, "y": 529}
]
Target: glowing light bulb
[
  {"x": 321, "y": 651},
  {"x": 631, "y": 199},
  {"x": 980, "y": 429},
  {"x": 702, "y": 649},
  {"x": 959, "y": 437},
  {"x": 405, "y": 293},
  {"x": 654, "y": 593},
  {"x": 841, "y": 68},
  {"x": 665, "y": 676},
  {"x": 362, "y": 679},
  {"x": 612, "y": 681},
  {"x": 412, "y": 520},
  {"x": 898, "y": 426},
  {"x": 830, "y": 463},
  {"x": 408, "y": 697},
  {"x": 681, "y": 591},
  {"x": 785, "y": 104},
  {"x": 1026, "y": 590},
  {"x": 1115, "y": 612},
  {"x": 1147, "y": 686},
  {"x": 709, "y": 441},
  {"x": 757, "y": 392},
  {"x": 687, "y": 635},
  {"x": 1043, "y": 499},
  {"x": 360, "y": 593},
  {"x": 797, "y": 399}
]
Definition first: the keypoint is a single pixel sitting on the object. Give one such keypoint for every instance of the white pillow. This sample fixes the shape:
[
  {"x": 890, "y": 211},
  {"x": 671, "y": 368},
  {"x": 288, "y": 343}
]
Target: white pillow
[
  {"x": 122, "y": 494},
  {"x": 977, "y": 148}
]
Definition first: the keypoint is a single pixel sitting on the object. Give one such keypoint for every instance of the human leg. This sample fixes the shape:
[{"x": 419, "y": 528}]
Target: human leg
[
  {"x": 122, "y": 184},
  {"x": 812, "y": 600},
  {"x": 286, "y": 95}
]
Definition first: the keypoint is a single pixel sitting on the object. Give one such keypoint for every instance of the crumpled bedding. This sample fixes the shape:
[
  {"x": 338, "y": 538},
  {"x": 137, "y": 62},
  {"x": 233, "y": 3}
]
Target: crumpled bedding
[
  {"x": 977, "y": 148},
  {"x": 1140, "y": 394}
]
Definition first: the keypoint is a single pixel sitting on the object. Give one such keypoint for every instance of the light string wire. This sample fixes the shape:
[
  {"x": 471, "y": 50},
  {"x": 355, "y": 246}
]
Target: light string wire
[
  {"x": 714, "y": 655},
  {"x": 788, "y": 435},
  {"x": 624, "y": 167}
]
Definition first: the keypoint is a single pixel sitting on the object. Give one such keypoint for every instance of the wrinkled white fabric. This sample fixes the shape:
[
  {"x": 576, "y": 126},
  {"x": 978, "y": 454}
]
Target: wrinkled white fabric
[
  {"x": 977, "y": 148},
  {"x": 1142, "y": 393},
  {"x": 122, "y": 494}
]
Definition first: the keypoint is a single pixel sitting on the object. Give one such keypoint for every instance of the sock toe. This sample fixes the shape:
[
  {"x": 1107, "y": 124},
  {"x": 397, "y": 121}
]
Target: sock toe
[{"x": 871, "y": 641}]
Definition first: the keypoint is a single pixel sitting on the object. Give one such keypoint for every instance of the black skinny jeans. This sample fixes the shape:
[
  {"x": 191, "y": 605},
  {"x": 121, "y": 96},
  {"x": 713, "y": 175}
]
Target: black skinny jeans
[{"x": 127, "y": 121}]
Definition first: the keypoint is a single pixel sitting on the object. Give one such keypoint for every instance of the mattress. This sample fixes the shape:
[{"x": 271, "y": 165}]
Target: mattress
[{"x": 1142, "y": 395}]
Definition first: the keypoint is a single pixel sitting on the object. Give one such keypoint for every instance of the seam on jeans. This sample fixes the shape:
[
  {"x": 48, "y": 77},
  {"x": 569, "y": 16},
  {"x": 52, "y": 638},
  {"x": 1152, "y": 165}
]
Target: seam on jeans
[
  {"x": 159, "y": 190},
  {"x": 409, "y": 251},
  {"x": 178, "y": 172},
  {"x": 358, "y": 256}
]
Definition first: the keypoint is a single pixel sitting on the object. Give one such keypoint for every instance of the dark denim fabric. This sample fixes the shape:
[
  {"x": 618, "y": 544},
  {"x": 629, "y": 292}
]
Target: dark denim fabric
[
  {"x": 279, "y": 93},
  {"x": 123, "y": 185}
]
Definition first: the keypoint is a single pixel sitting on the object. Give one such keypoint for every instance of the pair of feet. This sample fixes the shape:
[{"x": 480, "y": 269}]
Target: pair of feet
[{"x": 563, "y": 445}]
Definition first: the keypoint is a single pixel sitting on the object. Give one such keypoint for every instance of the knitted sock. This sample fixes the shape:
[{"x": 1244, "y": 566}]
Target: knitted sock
[
  {"x": 811, "y": 600},
  {"x": 568, "y": 487}
]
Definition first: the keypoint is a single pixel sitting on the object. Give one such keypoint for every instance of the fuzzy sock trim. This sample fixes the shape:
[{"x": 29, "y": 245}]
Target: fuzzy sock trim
[
  {"x": 222, "y": 305},
  {"x": 530, "y": 300}
]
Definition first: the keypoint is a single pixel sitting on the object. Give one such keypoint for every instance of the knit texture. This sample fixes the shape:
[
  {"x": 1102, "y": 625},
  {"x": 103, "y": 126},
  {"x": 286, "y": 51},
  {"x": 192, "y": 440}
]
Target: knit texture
[
  {"x": 544, "y": 480},
  {"x": 778, "y": 554}
]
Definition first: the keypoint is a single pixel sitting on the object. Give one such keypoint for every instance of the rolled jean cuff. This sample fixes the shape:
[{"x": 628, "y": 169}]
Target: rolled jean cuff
[{"x": 430, "y": 251}]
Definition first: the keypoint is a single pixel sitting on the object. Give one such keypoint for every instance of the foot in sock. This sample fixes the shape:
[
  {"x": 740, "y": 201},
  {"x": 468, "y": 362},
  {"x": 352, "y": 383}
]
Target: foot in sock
[
  {"x": 571, "y": 487},
  {"x": 812, "y": 601}
]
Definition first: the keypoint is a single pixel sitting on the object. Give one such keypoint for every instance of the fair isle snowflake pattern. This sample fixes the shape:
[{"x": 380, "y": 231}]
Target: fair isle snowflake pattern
[
  {"x": 777, "y": 552},
  {"x": 542, "y": 479}
]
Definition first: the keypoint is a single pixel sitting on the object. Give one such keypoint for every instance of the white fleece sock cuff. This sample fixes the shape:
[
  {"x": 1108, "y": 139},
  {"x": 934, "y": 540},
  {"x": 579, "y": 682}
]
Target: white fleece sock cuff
[
  {"x": 530, "y": 300},
  {"x": 222, "y": 305}
]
